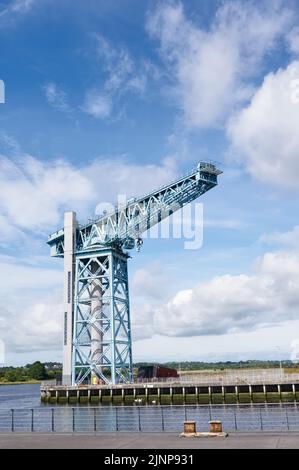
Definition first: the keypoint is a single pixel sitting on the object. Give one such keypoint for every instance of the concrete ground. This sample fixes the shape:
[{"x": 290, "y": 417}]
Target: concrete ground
[{"x": 149, "y": 441}]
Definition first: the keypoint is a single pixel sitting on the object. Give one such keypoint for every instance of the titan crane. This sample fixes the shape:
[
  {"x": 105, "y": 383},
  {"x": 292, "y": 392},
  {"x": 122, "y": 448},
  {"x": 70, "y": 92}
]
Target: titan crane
[{"x": 97, "y": 330}]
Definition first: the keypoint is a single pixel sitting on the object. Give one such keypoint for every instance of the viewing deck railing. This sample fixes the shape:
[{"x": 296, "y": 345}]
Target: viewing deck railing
[{"x": 148, "y": 418}]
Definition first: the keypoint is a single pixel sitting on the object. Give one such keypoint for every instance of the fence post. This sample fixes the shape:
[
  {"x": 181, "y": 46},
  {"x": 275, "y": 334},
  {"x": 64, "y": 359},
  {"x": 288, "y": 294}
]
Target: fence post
[
  {"x": 139, "y": 419},
  {"x": 94, "y": 420},
  {"x": 235, "y": 418},
  {"x": 32, "y": 420},
  {"x": 162, "y": 419},
  {"x": 287, "y": 420},
  {"x": 210, "y": 413},
  {"x": 116, "y": 419},
  {"x": 52, "y": 420},
  {"x": 186, "y": 415},
  {"x": 74, "y": 424},
  {"x": 12, "y": 420}
]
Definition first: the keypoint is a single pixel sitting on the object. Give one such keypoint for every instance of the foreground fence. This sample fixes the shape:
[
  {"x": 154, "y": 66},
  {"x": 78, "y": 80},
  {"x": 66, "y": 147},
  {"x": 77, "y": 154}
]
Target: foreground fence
[{"x": 149, "y": 419}]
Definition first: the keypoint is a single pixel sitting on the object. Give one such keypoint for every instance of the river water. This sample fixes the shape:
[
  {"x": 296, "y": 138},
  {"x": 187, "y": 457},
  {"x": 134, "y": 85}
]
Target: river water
[
  {"x": 22, "y": 411},
  {"x": 19, "y": 396}
]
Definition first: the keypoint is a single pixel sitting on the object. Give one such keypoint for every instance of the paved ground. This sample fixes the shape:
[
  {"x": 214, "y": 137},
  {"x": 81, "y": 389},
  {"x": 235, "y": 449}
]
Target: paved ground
[{"x": 149, "y": 441}]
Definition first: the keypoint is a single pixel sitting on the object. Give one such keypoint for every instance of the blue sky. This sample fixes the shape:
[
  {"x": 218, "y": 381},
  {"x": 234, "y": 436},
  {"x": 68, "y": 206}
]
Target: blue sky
[{"x": 120, "y": 97}]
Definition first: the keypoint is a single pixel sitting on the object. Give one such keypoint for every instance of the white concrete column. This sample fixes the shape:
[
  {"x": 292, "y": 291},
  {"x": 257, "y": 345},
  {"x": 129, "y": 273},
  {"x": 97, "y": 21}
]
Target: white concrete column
[{"x": 69, "y": 275}]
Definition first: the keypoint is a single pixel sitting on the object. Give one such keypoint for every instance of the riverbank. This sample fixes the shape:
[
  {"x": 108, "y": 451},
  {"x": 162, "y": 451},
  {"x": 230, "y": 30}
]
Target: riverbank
[{"x": 27, "y": 382}]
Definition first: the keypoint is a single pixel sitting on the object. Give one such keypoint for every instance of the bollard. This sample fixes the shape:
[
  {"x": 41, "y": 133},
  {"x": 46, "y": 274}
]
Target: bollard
[
  {"x": 215, "y": 426},
  {"x": 189, "y": 427},
  {"x": 215, "y": 430}
]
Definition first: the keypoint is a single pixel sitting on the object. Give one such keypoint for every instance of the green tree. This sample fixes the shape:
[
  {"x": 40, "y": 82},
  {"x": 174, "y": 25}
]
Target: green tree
[
  {"x": 10, "y": 376},
  {"x": 37, "y": 371}
]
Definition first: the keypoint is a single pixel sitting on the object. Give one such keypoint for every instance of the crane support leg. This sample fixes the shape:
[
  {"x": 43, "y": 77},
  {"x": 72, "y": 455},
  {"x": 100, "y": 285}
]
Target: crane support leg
[{"x": 102, "y": 350}]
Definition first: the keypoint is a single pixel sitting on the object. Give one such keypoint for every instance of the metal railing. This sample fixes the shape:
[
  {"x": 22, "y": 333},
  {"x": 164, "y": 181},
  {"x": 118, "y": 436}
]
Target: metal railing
[{"x": 148, "y": 419}]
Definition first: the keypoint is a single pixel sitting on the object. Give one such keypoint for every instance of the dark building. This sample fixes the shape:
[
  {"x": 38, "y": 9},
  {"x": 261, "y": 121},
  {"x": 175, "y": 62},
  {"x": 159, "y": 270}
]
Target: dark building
[{"x": 155, "y": 372}]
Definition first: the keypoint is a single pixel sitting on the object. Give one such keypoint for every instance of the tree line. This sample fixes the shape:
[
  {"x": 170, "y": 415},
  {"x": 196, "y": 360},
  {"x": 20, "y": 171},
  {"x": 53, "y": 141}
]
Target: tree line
[
  {"x": 36, "y": 371},
  {"x": 53, "y": 370}
]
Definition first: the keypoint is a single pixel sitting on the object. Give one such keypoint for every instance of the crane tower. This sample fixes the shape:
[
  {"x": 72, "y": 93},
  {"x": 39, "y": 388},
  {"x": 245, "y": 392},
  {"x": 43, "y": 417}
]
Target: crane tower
[{"x": 97, "y": 330}]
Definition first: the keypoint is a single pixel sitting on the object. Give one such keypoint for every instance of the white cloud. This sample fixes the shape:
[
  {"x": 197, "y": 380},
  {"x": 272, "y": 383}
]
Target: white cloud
[
  {"x": 56, "y": 97},
  {"x": 211, "y": 70},
  {"x": 124, "y": 178},
  {"x": 228, "y": 304},
  {"x": 148, "y": 282},
  {"x": 123, "y": 76},
  {"x": 290, "y": 238},
  {"x": 33, "y": 194},
  {"x": 19, "y": 277},
  {"x": 30, "y": 305},
  {"x": 293, "y": 38},
  {"x": 15, "y": 9},
  {"x": 32, "y": 327},
  {"x": 123, "y": 73},
  {"x": 8, "y": 232},
  {"x": 98, "y": 105},
  {"x": 265, "y": 134},
  {"x": 21, "y": 6}
]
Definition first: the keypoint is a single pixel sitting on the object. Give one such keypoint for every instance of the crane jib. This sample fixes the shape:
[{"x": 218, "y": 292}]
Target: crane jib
[{"x": 127, "y": 223}]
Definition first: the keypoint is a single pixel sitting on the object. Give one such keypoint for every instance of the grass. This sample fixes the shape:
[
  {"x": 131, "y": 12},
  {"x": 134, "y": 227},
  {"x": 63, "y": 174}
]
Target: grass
[{"x": 25, "y": 382}]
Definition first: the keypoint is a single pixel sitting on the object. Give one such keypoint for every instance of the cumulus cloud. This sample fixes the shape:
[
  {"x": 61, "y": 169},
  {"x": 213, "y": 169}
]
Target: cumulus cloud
[
  {"x": 290, "y": 238},
  {"x": 212, "y": 69},
  {"x": 264, "y": 135},
  {"x": 228, "y": 304},
  {"x": 30, "y": 305},
  {"x": 33, "y": 194},
  {"x": 147, "y": 282},
  {"x": 32, "y": 327},
  {"x": 293, "y": 38},
  {"x": 123, "y": 76}
]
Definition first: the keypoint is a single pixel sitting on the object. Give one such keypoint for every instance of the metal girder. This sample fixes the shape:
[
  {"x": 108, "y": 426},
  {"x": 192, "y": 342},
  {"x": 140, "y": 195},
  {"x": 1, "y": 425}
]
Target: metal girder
[
  {"x": 107, "y": 325},
  {"x": 126, "y": 223}
]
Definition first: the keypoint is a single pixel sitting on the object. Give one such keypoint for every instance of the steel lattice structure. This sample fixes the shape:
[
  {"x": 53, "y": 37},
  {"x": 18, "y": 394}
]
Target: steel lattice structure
[
  {"x": 97, "y": 331},
  {"x": 102, "y": 337}
]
